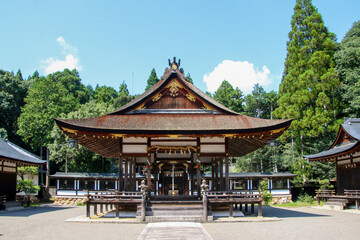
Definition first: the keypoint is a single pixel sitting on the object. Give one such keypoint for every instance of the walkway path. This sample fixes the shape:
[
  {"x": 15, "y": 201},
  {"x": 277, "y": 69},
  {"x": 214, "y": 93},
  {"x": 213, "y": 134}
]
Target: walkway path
[{"x": 174, "y": 231}]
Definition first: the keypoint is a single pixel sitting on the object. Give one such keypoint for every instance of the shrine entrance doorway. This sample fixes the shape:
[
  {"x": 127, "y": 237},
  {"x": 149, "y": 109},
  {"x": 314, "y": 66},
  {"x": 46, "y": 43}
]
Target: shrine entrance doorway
[{"x": 173, "y": 179}]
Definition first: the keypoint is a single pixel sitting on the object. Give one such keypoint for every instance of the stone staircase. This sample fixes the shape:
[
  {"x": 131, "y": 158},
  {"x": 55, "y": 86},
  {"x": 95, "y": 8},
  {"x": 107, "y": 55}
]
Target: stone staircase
[
  {"x": 173, "y": 210},
  {"x": 336, "y": 203}
]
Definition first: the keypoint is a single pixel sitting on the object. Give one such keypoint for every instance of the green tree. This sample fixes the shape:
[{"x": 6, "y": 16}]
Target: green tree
[
  {"x": 189, "y": 79},
  {"x": 347, "y": 60},
  {"x": 309, "y": 83},
  {"x": 13, "y": 90},
  {"x": 153, "y": 79},
  {"x": 22, "y": 171},
  {"x": 123, "y": 90},
  {"x": 72, "y": 82},
  {"x": 46, "y": 100},
  {"x": 230, "y": 97},
  {"x": 78, "y": 159},
  {"x": 105, "y": 94},
  {"x": 264, "y": 192}
]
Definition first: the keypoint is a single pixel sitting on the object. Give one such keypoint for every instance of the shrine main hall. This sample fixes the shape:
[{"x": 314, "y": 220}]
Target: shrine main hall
[{"x": 173, "y": 132}]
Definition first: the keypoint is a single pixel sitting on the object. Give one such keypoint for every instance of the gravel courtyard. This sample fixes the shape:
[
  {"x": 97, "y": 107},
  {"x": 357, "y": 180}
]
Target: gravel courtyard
[{"x": 48, "y": 222}]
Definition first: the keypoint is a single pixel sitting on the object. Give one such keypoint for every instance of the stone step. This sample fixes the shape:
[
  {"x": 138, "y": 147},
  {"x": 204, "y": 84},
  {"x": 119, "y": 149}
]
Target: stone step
[
  {"x": 175, "y": 207},
  {"x": 178, "y": 218},
  {"x": 175, "y": 202},
  {"x": 336, "y": 203},
  {"x": 183, "y": 213}
]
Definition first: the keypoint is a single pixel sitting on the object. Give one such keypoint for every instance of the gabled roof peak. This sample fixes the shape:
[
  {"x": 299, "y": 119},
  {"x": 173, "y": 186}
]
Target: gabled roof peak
[{"x": 173, "y": 67}]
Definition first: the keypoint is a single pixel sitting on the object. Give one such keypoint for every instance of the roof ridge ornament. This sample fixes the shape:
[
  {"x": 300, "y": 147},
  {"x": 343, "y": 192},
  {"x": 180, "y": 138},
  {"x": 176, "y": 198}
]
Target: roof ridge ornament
[{"x": 173, "y": 66}]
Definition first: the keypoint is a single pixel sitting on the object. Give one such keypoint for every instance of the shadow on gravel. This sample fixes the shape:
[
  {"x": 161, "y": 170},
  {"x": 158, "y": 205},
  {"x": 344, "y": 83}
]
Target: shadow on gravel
[
  {"x": 26, "y": 212},
  {"x": 269, "y": 211}
]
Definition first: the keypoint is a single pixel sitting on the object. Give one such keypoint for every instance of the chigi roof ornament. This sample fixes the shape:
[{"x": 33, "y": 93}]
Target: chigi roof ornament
[{"x": 173, "y": 66}]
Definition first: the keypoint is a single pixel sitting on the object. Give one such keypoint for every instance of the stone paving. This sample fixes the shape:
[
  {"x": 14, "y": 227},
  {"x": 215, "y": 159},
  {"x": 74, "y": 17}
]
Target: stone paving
[
  {"x": 174, "y": 231},
  {"x": 49, "y": 222}
]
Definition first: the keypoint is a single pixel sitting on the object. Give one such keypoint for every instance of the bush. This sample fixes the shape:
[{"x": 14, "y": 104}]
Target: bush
[
  {"x": 267, "y": 197},
  {"x": 325, "y": 185},
  {"x": 306, "y": 198}
]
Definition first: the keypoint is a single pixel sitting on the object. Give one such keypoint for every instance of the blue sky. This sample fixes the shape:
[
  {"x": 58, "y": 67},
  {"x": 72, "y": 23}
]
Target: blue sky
[{"x": 114, "y": 41}]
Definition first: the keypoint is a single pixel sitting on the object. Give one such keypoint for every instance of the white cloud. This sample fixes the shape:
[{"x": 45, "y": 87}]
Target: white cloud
[
  {"x": 239, "y": 74},
  {"x": 67, "y": 48},
  {"x": 54, "y": 64}
]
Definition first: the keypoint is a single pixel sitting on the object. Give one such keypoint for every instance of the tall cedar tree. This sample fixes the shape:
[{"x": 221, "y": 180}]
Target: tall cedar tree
[
  {"x": 309, "y": 80},
  {"x": 153, "y": 79},
  {"x": 347, "y": 60}
]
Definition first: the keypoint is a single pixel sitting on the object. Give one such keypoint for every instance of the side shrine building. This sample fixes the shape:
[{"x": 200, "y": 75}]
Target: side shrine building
[{"x": 174, "y": 131}]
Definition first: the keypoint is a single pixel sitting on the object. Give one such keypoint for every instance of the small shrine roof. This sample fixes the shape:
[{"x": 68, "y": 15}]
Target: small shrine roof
[
  {"x": 12, "y": 152},
  {"x": 346, "y": 142}
]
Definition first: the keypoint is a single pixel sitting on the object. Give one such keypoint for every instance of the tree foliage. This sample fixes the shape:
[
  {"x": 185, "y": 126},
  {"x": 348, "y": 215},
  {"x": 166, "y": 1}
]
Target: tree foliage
[
  {"x": 105, "y": 94},
  {"x": 230, "y": 97},
  {"x": 22, "y": 171},
  {"x": 48, "y": 98},
  {"x": 348, "y": 66},
  {"x": 259, "y": 103},
  {"x": 78, "y": 159},
  {"x": 27, "y": 186},
  {"x": 13, "y": 90},
  {"x": 309, "y": 80},
  {"x": 189, "y": 79},
  {"x": 153, "y": 79}
]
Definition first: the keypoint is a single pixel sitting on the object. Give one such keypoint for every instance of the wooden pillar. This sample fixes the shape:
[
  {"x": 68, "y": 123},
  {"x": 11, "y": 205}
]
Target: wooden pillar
[
  {"x": 95, "y": 209},
  {"x": 227, "y": 183},
  {"x": 117, "y": 210},
  {"x": 252, "y": 208},
  {"x": 216, "y": 182},
  {"x": 246, "y": 207},
  {"x": 155, "y": 178},
  {"x": 88, "y": 209},
  {"x": 149, "y": 181},
  {"x": 231, "y": 210},
  {"x": 130, "y": 175},
  {"x": 212, "y": 175},
  {"x": 120, "y": 185},
  {"x": 126, "y": 178},
  {"x": 192, "y": 178},
  {"x": 134, "y": 177},
  {"x": 149, "y": 168},
  {"x": 221, "y": 175},
  {"x": 198, "y": 180}
]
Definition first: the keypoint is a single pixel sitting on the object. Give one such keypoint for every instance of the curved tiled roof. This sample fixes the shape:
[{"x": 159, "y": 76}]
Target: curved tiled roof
[
  {"x": 12, "y": 152},
  {"x": 173, "y": 123},
  {"x": 351, "y": 127}
]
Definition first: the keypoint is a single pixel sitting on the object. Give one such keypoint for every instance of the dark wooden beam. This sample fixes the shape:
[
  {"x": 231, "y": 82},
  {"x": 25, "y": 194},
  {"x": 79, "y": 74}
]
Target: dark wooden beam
[
  {"x": 221, "y": 175},
  {"x": 121, "y": 186}
]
